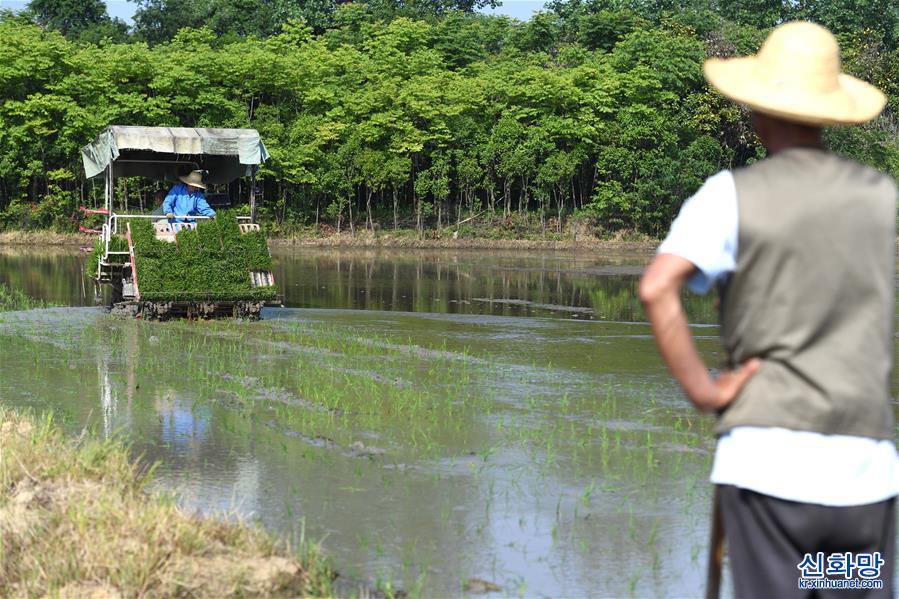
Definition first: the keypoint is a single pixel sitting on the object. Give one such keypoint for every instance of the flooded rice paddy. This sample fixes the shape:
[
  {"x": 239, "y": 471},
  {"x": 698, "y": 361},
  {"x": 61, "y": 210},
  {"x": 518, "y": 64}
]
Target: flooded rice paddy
[{"x": 441, "y": 421}]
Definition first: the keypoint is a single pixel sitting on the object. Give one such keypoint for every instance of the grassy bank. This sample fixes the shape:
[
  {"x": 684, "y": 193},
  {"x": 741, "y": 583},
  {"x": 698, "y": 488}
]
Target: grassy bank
[{"x": 76, "y": 520}]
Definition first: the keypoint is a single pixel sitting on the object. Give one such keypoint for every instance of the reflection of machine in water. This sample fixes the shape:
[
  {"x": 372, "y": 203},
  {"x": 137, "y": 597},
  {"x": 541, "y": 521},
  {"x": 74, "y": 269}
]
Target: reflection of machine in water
[
  {"x": 165, "y": 154},
  {"x": 113, "y": 419},
  {"x": 168, "y": 426},
  {"x": 109, "y": 401}
]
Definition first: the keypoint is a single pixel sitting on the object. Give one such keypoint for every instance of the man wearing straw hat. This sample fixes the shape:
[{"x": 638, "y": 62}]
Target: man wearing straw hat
[
  {"x": 187, "y": 198},
  {"x": 802, "y": 246}
]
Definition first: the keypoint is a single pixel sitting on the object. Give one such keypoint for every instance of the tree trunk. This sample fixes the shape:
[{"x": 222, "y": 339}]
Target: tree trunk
[
  {"x": 350, "y": 208},
  {"x": 418, "y": 215},
  {"x": 394, "y": 208},
  {"x": 574, "y": 195},
  {"x": 543, "y": 216},
  {"x": 560, "y": 199},
  {"x": 416, "y": 203},
  {"x": 507, "y": 192},
  {"x": 371, "y": 225},
  {"x": 524, "y": 187}
]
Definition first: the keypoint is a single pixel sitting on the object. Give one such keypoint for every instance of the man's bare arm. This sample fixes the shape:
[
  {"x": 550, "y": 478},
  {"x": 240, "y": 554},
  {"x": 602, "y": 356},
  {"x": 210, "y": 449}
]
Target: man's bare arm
[{"x": 660, "y": 293}]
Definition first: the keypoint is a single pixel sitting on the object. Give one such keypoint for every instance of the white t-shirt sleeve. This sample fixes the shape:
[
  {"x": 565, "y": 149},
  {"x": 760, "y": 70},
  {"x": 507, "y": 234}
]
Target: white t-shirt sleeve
[{"x": 705, "y": 232}]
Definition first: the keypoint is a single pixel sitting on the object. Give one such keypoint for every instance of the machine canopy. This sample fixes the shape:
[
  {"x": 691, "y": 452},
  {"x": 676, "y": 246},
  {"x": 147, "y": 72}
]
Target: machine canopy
[{"x": 164, "y": 153}]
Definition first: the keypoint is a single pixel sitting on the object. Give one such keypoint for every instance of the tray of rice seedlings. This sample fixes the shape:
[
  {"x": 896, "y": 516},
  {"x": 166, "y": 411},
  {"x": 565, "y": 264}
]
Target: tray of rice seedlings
[{"x": 205, "y": 269}]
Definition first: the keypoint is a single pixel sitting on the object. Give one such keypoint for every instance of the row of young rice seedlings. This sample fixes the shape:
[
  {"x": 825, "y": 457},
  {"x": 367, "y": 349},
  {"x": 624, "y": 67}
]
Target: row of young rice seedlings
[
  {"x": 616, "y": 445},
  {"x": 430, "y": 403},
  {"x": 376, "y": 399},
  {"x": 302, "y": 375},
  {"x": 620, "y": 431},
  {"x": 330, "y": 382}
]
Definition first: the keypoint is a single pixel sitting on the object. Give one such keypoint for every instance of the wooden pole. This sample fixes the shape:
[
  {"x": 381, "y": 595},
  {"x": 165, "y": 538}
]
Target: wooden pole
[{"x": 716, "y": 550}]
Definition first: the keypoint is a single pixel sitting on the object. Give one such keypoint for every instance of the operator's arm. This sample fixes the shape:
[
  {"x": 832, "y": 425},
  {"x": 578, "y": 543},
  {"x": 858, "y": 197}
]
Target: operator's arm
[
  {"x": 660, "y": 293},
  {"x": 203, "y": 206},
  {"x": 168, "y": 204}
]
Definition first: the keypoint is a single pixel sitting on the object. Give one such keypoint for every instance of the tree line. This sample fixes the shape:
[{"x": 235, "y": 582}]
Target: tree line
[{"x": 424, "y": 113}]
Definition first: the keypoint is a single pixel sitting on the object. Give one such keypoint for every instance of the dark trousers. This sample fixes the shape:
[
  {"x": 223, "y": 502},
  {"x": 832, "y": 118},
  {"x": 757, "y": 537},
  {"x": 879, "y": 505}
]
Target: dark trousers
[{"x": 768, "y": 537}]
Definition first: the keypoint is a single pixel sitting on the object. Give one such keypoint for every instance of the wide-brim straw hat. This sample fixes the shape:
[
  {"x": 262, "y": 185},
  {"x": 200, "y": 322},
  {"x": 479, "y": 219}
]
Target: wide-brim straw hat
[
  {"x": 796, "y": 76},
  {"x": 194, "y": 178}
]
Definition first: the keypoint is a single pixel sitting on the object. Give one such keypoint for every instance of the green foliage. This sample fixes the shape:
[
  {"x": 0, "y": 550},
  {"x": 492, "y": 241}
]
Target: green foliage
[
  {"x": 55, "y": 212},
  {"x": 69, "y": 16},
  {"x": 373, "y": 109},
  {"x": 158, "y": 21},
  {"x": 880, "y": 18},
  {"x": 211, "y": 262},
  {"x": 605, "y": 28},
  {"x": 758, "y": 13},
  {"x": 874, "y": 143}
]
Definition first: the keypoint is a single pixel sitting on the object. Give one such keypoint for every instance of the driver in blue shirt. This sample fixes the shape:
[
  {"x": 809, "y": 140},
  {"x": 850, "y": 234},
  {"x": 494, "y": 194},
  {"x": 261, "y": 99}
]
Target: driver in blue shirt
[{"x": 187, "y": 199}]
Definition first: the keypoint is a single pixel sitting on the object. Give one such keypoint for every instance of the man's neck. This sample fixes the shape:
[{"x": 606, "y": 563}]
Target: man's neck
[
  {"x": 779, "y": 145},
  {"x": 778, "y": 135}
]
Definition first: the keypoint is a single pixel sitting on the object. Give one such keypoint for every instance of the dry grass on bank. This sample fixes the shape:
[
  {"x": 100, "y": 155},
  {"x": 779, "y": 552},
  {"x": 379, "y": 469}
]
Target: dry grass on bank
[
  {"x": 76, "y": 521},
  {"x": 45, "y": 238},
  {"x": 382, "y": 239},
  {"x": 363, "y": 238},
  {"x": 367, "y": 239}
]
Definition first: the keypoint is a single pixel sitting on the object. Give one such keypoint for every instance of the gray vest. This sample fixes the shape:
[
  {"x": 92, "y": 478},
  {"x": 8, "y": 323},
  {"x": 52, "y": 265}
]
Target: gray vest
[{"x": 813, "y": 295}]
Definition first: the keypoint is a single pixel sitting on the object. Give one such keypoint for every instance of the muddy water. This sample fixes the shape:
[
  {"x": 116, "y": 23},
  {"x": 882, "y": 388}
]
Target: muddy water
[{"x": 431, "y": 417}]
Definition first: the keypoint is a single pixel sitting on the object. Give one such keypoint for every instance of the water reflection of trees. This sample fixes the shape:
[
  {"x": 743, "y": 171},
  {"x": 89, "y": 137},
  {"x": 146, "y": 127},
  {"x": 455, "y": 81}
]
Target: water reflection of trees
[
  {"x": 469, "y": 284},
  {"x": 53, "y": 276}
]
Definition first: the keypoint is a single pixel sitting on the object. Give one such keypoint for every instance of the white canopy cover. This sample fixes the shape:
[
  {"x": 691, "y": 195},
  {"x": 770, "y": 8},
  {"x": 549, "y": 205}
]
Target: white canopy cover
[{"x": 164, "y": 152}]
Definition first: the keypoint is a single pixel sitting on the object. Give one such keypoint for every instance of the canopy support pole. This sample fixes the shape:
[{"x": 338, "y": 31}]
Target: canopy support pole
[
  {"x": 108, "y": 194},
  {"x": 108, "y": 188},
  {"x": 253, "y": 195}
]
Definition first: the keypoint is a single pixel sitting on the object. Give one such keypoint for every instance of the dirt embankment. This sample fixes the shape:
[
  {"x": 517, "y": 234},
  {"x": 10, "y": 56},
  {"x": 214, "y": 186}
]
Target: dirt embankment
[
  {"x": 366, "y": 239},
  {"x": 362, "y": 240},
  {"x": 45, "y": 238},
  {"x": 76, "y": 521}
]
